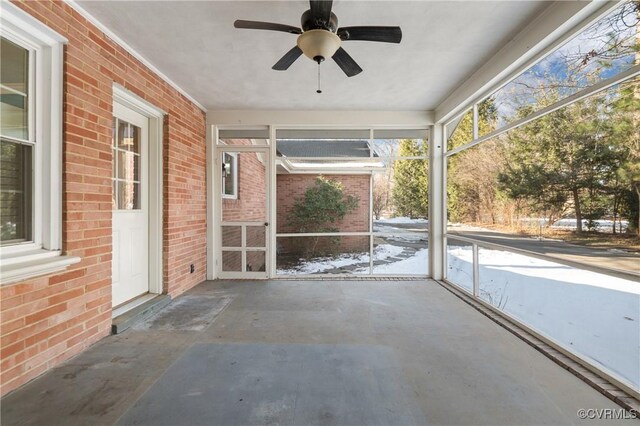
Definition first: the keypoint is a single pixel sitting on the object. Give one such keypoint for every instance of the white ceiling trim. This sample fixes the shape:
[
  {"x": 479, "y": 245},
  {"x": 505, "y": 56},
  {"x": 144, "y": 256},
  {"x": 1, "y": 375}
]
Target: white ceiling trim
[
  {"x": 319, "y": 118},
  {"x": 132, "y": 51}
]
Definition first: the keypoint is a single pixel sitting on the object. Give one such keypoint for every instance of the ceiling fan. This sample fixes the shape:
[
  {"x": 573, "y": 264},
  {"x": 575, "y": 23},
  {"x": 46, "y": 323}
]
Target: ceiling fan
[{"x": 320, "y": 38}]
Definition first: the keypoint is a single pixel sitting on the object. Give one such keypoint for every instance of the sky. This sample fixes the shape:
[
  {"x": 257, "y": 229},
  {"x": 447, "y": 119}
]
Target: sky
[{"x": 565, "y": 62}]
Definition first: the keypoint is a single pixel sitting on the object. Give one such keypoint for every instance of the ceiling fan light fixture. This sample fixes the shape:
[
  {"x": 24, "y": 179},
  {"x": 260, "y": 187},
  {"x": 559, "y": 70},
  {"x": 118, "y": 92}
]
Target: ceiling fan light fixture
[{"x": 318, "y": 45}]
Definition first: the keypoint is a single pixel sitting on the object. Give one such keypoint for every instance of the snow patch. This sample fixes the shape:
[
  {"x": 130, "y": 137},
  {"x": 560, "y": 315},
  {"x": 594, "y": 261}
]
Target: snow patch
[
  {"x": 321, "y": 264},
  {"x": 592, "y": 314},
  {"x": 414, "y": 265},
  {"x": 401, "y": 219}
]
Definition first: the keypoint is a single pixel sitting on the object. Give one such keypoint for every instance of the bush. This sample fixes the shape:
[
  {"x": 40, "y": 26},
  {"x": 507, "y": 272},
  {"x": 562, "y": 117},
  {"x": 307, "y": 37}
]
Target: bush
[{"x": 322, "y": 205}]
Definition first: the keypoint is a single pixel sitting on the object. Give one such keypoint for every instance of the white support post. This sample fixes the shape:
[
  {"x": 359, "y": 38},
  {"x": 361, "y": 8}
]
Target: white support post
[
  {"x": 272, "y": 248},
  {"x": 210, "y": 205},
  {"x": 213, "y": 204},
  {"x": 437, "y": 210},
  {"x": 476, "y": 272},
  {"x": 476, "y": 124}
]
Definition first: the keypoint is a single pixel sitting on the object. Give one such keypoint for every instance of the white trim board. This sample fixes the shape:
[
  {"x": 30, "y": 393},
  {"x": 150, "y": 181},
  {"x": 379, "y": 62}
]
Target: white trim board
[
  {"x": 155, "y": 219},
  {"x": 132, "y": 51},
  {"x": 322, "y": 119}
]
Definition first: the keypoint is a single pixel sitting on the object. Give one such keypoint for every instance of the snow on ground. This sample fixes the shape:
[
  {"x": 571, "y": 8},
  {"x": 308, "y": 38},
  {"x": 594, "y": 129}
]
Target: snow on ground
[
  {"x": 413, "y": 237},
  {"x": 592, "y": 314},
  {"x": 321, "y": 264},
  {"x": 465, "y": 227},
  {"x": 601, "y": 225},
  {"x": 414, "y": 265},
  {"x": 403, "y": 220},
  {"x": 381, "y": 253},
  {"x": 385, "y": 251}
]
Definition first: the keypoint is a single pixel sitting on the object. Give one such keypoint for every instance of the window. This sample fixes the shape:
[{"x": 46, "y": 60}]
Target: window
[
  {"x": 16, "y": 156},
  {"x": 230, "y": 176},
  {"x": 126, "y": 165},
  {"x": 31, "y": 57}
]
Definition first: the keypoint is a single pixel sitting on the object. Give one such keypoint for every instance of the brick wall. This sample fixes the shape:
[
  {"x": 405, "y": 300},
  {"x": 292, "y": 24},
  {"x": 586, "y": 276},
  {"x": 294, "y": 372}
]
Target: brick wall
[
  {"x": 251, "y": 202},
  {"x": 292, "y": 186},
  {"x": 46, "y": 320},
  {"x": 250, "y": 206}
]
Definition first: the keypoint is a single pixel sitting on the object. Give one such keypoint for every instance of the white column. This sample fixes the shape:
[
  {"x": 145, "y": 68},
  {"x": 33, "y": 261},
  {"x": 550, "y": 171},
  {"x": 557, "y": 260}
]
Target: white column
[
  {"x": 272, "y": 203},
  {"x": 437, "y": 192},
  {"x": 212, "y": 228}
]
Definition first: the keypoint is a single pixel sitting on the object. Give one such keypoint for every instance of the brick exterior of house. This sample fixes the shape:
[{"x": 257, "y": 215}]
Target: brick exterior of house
[
  {"x": 46, "y": 320},
  {"x": 49, "y": 319},
  {"x": 291, "y": 187}
]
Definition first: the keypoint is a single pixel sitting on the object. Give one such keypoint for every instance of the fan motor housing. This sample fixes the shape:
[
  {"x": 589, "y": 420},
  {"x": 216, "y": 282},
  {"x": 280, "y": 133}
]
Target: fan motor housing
[{"x": 309, "y": 23}]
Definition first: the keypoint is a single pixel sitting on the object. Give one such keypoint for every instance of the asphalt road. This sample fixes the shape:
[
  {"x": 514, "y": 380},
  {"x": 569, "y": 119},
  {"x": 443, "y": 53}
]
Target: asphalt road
[{"x": 606, "y": 259}]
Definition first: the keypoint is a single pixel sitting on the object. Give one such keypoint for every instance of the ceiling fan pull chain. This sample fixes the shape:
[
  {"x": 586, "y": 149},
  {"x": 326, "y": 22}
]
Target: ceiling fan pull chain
[{"x": 319, "y": 90}]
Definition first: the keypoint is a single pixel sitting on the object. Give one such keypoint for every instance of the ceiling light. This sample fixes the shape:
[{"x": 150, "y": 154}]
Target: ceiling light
[{"x": 319, "y": 44}]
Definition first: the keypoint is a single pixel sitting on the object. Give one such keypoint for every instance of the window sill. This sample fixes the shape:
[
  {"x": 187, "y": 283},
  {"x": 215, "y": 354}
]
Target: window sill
[{"x": 33, "y": 263}]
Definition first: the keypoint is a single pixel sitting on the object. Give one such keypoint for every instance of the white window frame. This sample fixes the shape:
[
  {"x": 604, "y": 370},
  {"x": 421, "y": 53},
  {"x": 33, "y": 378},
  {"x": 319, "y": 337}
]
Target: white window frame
[
  {"x": 43, "y": 254},
  {"x": 234, "y": 167}
]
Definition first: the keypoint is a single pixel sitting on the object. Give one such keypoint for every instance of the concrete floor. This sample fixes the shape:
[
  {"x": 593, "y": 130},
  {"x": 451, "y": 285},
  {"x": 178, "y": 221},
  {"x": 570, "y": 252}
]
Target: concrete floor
[{"x": 308, "y": 352}]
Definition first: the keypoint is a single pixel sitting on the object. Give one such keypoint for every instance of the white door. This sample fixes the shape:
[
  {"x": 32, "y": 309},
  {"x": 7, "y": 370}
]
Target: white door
[{"x": 130, "y": 262}]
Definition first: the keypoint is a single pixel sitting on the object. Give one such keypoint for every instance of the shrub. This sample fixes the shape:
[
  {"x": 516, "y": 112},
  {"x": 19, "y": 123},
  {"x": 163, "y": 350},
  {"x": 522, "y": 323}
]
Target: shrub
[{"x": 318, "y": 210}]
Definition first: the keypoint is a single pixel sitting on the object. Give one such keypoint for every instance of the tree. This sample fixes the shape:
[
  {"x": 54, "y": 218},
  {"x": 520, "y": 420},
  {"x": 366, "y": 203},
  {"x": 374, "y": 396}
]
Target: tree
[
  {"x": 321, "y": 206},
  {"x": 626, "y": 117},
  {"x": 411, "y": 181},
  {"x": 564, "y": 160},
  {"x": 471, "y": 189},
  {"x": 381, "y": 193}
]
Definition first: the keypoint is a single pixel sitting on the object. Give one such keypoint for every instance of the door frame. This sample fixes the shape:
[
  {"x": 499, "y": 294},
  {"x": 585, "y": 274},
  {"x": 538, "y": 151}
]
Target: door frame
[
  {"x": 214, "y": 263},
  {"x": 155, "y": 232}
]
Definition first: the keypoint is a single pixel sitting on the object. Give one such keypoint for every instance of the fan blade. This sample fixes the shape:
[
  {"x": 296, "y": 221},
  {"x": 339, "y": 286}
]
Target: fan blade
[
  {"x": 346, "y": 63},
  {"x": 289, "y": 58},
  {"x": 321, "y": 10},
  {"x": 383, "y": 34},
  {"x": 257, "y": 25}
]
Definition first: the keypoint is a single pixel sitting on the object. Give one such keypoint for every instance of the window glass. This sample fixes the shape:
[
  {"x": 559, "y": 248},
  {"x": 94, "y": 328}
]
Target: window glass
[
  {"x": 15, "y": 158},
  {"x": 126, "y": 165},
  {"x": 229, "y": 173},
  {"x": 569, "y": 175},
  {"x": 15, "y": 192},
  {"x": 14, "y": 76},
  {"x": 460, "y": 130},
  {"x": 608, "y": 47}
]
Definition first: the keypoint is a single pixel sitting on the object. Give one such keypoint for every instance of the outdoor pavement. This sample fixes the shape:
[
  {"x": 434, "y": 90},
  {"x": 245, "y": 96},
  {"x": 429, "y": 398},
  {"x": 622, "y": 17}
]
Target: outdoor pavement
[
  {"x": 607, "y": 259},
  {"x": 308, "y": 352}
]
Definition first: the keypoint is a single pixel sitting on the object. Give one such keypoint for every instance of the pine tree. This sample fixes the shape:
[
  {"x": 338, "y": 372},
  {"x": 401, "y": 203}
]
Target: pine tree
[{"x": 411, "y": 181}]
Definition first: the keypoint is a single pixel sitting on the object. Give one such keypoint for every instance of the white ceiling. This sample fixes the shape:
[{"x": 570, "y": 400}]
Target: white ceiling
[{"x": 196, "y": 46}]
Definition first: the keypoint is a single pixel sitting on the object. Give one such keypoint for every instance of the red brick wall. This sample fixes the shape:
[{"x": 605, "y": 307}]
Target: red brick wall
[
  {"x": 292, "y": 186},
  {"x": 251, "y": 202},
  {"x": 250, "y": 206},
  {"x": 47, "y": 320}
]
